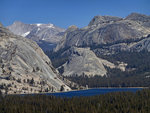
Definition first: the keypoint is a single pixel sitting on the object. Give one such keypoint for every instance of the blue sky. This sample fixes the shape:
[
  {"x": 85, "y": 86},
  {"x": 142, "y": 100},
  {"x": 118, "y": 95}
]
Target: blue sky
[{"x": 64, "y": 13}]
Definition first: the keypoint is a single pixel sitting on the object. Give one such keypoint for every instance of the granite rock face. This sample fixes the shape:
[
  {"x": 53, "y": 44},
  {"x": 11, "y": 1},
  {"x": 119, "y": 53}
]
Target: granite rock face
[
  {"x": 84, "y": 61},
  {"x": 103, "y": 19},
  {"x": 128, "y": 46},
  {"x": 24, "y": 68},
  {"x": 140, "y": 18},
  {"x": 107, "y": 30},
  {"x": 141, "y": 45}
]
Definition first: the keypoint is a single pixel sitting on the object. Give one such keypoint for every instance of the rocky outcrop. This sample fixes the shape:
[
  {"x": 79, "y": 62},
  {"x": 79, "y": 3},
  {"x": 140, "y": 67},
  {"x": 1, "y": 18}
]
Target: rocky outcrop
[
  {"x": 107, "y": 30},
  {"x": 140, "y": 18},
  {"x": 24, "y": 68},
  {"x": 103, "y": 19},
  {"x": 141, "y": 45},
  {"x": 84, "y": 61},
  {"x": 128, "y": 45}
]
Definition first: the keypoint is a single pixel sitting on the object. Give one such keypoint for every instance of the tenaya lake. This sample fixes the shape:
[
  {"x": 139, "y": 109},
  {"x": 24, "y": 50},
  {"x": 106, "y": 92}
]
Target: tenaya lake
[{"x": 93, "y": 92}]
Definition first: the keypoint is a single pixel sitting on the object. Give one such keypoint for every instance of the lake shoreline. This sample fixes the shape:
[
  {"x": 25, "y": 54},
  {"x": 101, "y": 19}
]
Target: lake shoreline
[
  {"x": 99, "y": 88},
  {"x": 80, "y": 90}
]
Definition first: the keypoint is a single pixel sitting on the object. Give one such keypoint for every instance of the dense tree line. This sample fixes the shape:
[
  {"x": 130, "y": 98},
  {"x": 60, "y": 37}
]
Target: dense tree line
[
  {"x": 120, "y": 81},
  {"x": 117, "y": 102}
]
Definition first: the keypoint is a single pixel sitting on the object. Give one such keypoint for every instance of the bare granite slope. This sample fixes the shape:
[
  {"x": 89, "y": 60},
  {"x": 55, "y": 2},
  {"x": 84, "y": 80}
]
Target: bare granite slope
[
  {"x": 24, "y": 68},
  {"x": 84, "y": 61},
  {"x": 106, "y": 30}
]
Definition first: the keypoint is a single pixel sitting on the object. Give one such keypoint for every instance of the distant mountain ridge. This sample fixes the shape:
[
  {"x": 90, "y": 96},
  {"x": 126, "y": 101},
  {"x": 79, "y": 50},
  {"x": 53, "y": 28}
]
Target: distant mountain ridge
[
  {"x": 43, "y": 34},
  {"x": 107, "y": 29}
]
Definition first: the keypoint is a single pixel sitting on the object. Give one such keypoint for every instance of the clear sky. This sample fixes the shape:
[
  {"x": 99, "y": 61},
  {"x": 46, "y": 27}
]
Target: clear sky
[{"x": 64, "y": 13}]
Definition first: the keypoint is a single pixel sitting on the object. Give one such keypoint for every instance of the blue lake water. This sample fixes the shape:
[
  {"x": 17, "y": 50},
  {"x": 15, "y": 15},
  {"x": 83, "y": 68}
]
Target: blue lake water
[{"x": 92, "y": 92}]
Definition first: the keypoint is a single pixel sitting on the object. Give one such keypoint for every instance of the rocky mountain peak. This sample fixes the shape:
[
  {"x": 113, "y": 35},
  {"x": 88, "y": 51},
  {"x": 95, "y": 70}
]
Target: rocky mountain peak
[
  {"x": 138, "y": 17},
  {"x": 72, "y": 28},
  {"x": 46, "y": 35},
  {"x": 20, "y": 28},
  {"x": 103, "y": 19}
]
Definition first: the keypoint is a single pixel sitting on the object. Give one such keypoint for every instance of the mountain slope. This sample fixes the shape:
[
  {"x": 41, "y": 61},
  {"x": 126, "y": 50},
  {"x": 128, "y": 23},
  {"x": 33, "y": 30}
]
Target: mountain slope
[
  {"x": 83, "y": 61},
  {"x": 106, "y": 30},
  {"x": 107, "y": 36},
  {"x": 24, "y": 68},
  {"x": 77, "y": 61},
  {"x": 43, "y": 34}
]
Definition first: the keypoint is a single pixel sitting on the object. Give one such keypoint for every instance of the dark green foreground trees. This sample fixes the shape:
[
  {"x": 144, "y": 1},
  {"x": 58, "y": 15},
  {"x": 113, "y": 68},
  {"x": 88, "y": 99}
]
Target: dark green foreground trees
[{"x": 119, "y": 102}]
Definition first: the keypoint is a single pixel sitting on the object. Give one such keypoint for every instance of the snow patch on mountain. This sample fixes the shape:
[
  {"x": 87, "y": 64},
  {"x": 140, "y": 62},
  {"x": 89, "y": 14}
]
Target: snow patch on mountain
[
  {"x": 50, "y": 26},
  {"x": 38, "y": 25},
  {"x": 25, "y": 34}
]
